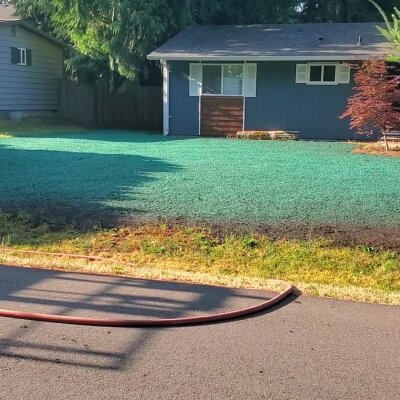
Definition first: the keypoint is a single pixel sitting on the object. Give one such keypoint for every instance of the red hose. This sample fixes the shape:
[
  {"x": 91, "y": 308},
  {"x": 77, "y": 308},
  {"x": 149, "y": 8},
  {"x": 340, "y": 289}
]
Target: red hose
[{"x": 162, "y": 322}]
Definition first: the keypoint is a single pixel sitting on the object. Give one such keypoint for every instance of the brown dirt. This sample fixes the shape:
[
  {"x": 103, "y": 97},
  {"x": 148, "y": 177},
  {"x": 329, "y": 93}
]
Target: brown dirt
[
  {"x": 58, "y": 217},
  {"x": 378, "y": 149},
  {"x": 373, "y": 237}
]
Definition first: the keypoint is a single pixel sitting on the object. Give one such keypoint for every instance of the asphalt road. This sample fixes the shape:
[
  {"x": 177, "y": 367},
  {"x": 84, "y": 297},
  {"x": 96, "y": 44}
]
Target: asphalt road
[{"x": 307, "y": 348}]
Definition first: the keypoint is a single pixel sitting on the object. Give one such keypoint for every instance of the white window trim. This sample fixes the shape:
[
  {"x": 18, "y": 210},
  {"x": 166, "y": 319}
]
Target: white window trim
[
  {"x": 22, "y": 51},
  {"x": 322, "y": 83},
  {"x": 222, "y": 80}
]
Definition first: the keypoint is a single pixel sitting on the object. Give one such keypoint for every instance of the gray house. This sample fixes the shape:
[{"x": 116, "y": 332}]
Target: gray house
[
  {"x": 31, "y": 68},
  {"x": 221, "y": 79}
]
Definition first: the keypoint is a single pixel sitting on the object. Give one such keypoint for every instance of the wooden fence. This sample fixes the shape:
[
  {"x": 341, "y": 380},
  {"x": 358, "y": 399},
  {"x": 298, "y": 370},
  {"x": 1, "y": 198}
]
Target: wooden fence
[{"x": 94, "y": 107}]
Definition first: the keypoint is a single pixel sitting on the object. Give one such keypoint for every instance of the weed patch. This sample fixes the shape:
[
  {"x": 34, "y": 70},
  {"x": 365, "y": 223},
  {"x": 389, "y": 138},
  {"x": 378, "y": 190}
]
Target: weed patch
[{"x": 199, "y": 255}]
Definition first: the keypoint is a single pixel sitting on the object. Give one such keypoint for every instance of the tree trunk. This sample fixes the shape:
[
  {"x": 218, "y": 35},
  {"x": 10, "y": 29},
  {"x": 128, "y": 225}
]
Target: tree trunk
[
  {"x": 112, "y": 75},
  {"x": 112, "y": 59}
]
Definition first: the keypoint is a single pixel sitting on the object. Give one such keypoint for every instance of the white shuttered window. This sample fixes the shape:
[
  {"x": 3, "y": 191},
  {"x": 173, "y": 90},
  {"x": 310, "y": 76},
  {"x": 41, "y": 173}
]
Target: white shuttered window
[
  {"x": 223, "y": 79},
  {"x": 323, "y": 73}
]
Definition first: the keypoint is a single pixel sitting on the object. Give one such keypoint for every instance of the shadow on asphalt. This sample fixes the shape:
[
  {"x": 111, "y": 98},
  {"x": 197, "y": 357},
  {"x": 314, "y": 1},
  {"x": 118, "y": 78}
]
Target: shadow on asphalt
[{"x": 64, "y": 293}]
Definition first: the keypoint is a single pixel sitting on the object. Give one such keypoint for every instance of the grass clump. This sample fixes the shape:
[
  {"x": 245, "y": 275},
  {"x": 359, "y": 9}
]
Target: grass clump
[
  {"x": 198, "y": 255},
  {"x": 34, "y": 125}
]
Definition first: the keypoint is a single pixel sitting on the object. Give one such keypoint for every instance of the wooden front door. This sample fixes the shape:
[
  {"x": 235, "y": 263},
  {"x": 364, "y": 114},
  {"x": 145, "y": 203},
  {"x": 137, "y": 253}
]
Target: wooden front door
[{"x": 221, "y": 116}]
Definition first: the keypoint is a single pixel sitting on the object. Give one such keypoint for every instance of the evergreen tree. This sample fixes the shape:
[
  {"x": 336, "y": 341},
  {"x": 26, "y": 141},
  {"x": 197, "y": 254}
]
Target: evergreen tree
[{"x": 342, "y": 10}]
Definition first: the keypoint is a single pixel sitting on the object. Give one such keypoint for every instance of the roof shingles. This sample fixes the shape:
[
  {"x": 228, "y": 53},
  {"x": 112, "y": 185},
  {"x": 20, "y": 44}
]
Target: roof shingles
[{"x": 276, "y": 41}]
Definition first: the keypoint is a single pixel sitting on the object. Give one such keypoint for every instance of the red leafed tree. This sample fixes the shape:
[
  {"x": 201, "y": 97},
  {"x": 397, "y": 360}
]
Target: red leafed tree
[{"x": 371, "y": 107}]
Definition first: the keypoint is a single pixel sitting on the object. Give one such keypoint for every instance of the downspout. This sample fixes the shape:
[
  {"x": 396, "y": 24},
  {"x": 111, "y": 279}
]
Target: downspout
[
  {"x": 166, "y": 115},
  {"x": 244, "y": 95},
  {"x": 200, "y": 94}
]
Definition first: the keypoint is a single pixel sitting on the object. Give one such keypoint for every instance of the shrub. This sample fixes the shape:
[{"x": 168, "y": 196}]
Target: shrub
[{"x": 371, "y": 107}]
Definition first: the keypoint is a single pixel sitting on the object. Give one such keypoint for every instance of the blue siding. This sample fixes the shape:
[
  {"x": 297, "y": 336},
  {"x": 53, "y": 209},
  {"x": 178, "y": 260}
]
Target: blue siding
[
  {"x": 183, "y": 109},
  {"x": 35, "y": 88},
  {"x": 282, "y": 104}
]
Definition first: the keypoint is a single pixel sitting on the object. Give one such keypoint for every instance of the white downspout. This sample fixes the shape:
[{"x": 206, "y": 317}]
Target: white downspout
[
  {"x": 244, "y": 94},
  {"x": 200, "y": 94},
  {"x": 165, "y": 97}
]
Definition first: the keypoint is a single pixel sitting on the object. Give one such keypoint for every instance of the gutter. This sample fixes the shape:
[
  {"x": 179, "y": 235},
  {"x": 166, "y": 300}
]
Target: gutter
[{"x": 195, "y": 58}]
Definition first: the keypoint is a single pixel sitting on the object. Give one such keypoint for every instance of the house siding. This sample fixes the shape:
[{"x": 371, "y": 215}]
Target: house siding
[
  {"x": 33, "y": 88},
  {"x": 183, "y": 109},
  {"x": 280, "y": 104}
]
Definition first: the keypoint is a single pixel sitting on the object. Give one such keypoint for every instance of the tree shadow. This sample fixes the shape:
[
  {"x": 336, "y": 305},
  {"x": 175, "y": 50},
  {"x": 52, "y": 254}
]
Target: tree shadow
[
  {"x": 100, "y": 296},
  {"x": 70, "y": 187},
  {"x": 113, "y": 135}
]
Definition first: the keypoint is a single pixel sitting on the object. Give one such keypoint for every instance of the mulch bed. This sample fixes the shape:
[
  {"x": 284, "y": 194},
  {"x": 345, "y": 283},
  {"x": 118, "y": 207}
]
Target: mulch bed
[{"x": 267, "y": 135}]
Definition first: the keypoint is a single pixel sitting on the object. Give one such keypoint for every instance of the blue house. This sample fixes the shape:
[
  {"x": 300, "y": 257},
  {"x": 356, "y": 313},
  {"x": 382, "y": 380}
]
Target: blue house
[
  {"x": 222, "y": 79},
  {"x": 31, "y": 68}
]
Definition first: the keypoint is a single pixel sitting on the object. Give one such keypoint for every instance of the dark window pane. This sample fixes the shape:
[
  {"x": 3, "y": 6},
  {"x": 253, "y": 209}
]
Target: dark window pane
[
  {"x": 315, "y": 73},
  {"x": 212, "y": 79},
  {"x": 329, "y": 73}
]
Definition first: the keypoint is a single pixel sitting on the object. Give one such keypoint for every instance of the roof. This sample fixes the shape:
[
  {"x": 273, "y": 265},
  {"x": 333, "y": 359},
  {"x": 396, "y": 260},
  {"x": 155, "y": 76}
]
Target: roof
[
  {"x": 7, "y": 17},
  {"x": 34, "y": 30},
  {"x": 7, "y": 12},
  {"x": 329, "y": 41}
]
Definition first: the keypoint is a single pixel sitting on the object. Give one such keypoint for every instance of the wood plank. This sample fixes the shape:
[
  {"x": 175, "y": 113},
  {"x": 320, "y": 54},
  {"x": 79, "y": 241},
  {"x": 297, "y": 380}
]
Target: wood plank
[
  {"x": 221, "y": 116},
  {"x": 222, "y": 128},
  {"x": 217, "y": 120}
]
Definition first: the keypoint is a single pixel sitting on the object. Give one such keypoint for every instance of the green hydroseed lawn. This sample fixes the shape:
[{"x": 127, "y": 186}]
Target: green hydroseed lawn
[{"x": 202, "y": 178}]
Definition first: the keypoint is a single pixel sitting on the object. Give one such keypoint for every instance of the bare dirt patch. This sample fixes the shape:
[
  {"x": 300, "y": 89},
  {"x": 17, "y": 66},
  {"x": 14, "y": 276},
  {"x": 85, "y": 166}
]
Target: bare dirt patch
[
  {"x": 61, "y": 216},
  {"x": 378, "y": 149},
  {"x": 372, "y": 237}
]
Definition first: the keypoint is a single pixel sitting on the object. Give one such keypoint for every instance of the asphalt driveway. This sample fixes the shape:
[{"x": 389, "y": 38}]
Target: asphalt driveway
[{"x": 308, "y": 348}]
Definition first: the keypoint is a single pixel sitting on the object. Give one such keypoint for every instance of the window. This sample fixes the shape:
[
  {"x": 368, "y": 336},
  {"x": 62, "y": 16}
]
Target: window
[
  {"x": 329, "y": 73},
  {"x": 322, "y": 74},
  {"x": 21, "y": 60},
  {"x": 232, "y": 80},
  {"x": 212, "y": 79},
  {"x": 224, "y": 79},
  {"x": 21, "y": 56},
  {"x": 315, "y": 73}
]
